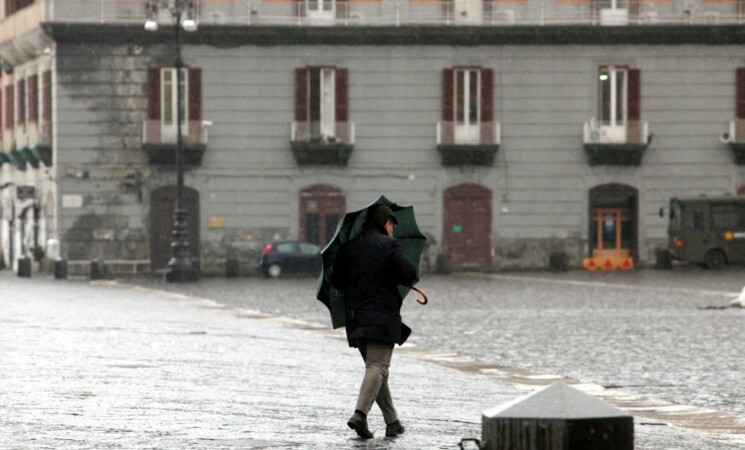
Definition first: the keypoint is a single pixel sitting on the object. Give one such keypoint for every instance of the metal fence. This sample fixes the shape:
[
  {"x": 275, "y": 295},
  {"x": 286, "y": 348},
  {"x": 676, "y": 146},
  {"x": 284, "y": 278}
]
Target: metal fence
[
  {"x": 629, "y": 132},
  {"x": 338, "y": 133},
  {"x": 192, "y": 132},
  {"x": 484, "y": 133},
  {"x": 398, "y": 13}
]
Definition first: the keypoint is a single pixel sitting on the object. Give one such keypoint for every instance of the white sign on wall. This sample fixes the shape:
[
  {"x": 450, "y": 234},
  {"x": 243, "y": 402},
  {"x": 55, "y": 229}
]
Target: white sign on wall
[{"x": 72, "y": 201}]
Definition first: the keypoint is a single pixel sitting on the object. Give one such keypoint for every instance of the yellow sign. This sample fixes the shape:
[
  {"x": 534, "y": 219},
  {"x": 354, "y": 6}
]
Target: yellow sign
[{"x": 216, "y": 222}]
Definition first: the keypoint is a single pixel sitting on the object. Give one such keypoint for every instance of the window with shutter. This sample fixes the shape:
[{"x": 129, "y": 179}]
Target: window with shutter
[
  {"x": 322, "y": 103},
  {"x": 468, "y": 105},
  {"x": 21, "y": 102},
  {"x": 163, "y": 108},
  {"x": 46, "y": 92},
  {"x": 740, "y": 93},
  {"x": 33, "y": 98},
  {"x": 9, "y": 104}
]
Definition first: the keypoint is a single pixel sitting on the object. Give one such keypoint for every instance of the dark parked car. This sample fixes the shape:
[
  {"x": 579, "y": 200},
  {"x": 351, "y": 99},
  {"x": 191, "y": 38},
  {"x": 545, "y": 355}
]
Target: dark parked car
[{"x": 281, "y": 257}]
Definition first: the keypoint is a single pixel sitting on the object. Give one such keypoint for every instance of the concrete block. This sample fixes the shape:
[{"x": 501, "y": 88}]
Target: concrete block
[{"x": 557, "y": 417}]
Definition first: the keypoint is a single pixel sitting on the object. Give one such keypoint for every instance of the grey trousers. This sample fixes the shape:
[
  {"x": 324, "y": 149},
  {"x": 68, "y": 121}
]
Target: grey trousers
[{"x": 377, "y": 357}]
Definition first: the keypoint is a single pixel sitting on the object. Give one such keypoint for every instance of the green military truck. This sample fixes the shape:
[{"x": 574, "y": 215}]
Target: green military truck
[{"x": 708, "y": 230}]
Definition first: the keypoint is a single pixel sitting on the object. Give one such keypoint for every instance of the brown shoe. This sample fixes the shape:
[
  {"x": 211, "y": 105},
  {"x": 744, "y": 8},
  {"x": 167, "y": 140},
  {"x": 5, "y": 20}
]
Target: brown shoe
[
  {"x": 394, "y": 429},
  {"x": 358, "y": 422}
]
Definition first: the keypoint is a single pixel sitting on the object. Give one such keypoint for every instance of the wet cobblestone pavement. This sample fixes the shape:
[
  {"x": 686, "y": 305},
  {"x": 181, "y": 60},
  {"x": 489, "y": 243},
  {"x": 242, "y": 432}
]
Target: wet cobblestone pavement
[{"x": 91, "y": 365}]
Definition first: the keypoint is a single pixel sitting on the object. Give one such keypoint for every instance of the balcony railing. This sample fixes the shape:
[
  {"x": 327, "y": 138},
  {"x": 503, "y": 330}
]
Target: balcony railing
[
  {"x": 484, "y": 133},
  {"x": 401, "y": 13},
  {"x": 315, "y": 132},
  {"x": 194, "y": 132},
  {"x": 631, "y": 132}
]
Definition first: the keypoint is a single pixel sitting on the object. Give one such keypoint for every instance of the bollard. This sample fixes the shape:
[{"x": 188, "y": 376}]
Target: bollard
[
  {"x": 558, "y": 262},
  {"x": 232, "y": 268},
  {"x": 99, "y": 271},
  {"x": 24, "y": 267},
  {"x": 557, "y": 417},
  {"x": 444, "y": 263},
  {"x": 60, "y": 269},
  {"x": 663, "y": 261}
]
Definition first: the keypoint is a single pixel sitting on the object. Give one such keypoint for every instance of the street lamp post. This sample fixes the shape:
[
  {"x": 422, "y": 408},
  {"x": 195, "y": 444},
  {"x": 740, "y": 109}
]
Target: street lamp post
[{"x": 181, "y": 266}]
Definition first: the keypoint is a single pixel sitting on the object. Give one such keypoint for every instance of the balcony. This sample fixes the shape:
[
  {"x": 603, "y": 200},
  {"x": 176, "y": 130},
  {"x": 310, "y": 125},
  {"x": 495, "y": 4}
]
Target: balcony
[
  {"x": 314, "y": 143},
  {"x": 407, "y": 13},
  {"x": 159, "y": 142},
  {"x": 735, "y": 137},
  {"x": 618, "y": 145},
  {"x": 468, "y": 145}
]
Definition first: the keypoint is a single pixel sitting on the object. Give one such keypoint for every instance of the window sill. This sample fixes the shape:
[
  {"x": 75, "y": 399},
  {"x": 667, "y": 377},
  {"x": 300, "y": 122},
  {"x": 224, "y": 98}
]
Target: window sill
[
  {"x": 468, "y": 154},
  {"x": 318, "y": 153}
]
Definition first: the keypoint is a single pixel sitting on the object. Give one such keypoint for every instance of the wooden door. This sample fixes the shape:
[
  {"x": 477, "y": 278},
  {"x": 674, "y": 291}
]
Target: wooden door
[
  {"x": 467, "y": 225},
  {"x": 162, "y": 203},
  {"x": 322, "y": 207}
]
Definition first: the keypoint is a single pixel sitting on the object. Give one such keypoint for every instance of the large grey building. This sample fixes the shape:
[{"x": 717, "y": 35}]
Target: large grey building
[{"x": 516, "y": 128}]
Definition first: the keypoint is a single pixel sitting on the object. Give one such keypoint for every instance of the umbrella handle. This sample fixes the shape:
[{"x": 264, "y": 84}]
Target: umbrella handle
[{"x": 424, "y": 296}]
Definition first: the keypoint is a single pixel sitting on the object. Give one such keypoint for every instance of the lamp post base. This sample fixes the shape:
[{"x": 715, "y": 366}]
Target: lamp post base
[{"x": 181, "y": 270}]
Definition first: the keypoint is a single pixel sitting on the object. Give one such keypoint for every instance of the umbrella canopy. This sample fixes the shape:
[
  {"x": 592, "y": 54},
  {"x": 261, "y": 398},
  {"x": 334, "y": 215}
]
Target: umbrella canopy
[{"x": 406, "y": 231}]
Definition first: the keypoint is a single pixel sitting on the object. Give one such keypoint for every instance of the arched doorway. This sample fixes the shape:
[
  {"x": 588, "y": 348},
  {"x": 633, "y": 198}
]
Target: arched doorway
[
  {"x": 614, "y": 219},
  {"x": 162, "y": 203},
  {"x": 322, "y": 207},
  {"x": 467, "y": 225}
]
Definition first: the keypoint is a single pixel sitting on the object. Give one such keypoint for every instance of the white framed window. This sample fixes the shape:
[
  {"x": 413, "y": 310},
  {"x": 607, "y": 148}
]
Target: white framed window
[{"x": 169, "y": 99}]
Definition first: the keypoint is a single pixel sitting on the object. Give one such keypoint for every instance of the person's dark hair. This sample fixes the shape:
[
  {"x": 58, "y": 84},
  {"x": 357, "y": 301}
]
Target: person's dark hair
[{"x": 378, "y": 214}]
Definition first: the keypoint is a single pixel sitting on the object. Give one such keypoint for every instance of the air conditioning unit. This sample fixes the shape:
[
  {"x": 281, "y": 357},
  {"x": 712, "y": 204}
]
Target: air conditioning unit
[
  {"x": 712, "y": 17},
  {"x": 216, "y": 17},
  {"x": 648, "y": 18},
  {"x": 503, "y": 17}
]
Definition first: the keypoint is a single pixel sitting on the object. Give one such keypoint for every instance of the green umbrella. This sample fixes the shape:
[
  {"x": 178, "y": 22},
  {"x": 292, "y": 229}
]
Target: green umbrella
[{"x": 406, "y": 231}]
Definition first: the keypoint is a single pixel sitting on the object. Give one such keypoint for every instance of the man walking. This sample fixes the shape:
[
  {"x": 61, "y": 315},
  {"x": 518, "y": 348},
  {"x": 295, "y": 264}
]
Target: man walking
[{"x": 368, "y": 269}]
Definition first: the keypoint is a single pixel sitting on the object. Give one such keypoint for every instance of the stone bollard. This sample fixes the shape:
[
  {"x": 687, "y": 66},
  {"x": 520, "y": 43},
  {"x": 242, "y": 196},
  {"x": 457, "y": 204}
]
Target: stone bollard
[
  {"x": 99, "y": 271},
  {"x": 557, "y": 417},
  {"x": 558, "y": 262},
  {"x": 60, "y": 269},
  {"x": 24, "y": 267},
  {"x": 444, "y": 263},
  {"x": 232, "y": 268}
]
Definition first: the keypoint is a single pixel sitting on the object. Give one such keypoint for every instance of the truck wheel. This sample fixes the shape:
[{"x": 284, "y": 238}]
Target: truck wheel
[{"x": 715, "y": 259}]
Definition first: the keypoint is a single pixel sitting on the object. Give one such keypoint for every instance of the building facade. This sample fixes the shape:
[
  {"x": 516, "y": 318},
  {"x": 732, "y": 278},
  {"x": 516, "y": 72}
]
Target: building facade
[{"x": 516, "y": 128}]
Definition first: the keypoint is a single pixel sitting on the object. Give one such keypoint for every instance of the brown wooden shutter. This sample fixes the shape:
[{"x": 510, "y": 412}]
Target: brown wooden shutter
[
  {"x": 634, "y": 105},
  {"x": 9, "y": 103},
  {"x": 46, "y": 92},
  {"x": 740, "y": 92},
  {"x": 342, "y": 95},
  {"x": 195, "y": 93},
  {"x": 153, "y": 93},
  {"x": 447, "y": 95},
  {"x": 33, "y": 98},
  {"x": 301, "y": 94},
  {"x": 487, "y": 95},
  {"x": 21, "y": 101}
]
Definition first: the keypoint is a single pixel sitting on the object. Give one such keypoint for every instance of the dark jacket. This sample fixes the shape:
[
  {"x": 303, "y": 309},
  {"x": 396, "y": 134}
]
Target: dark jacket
[{"x": 368, "y": 269}]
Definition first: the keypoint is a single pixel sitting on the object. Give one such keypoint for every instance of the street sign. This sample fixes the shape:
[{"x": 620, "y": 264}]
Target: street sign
[{"x": 25, "y": 192}]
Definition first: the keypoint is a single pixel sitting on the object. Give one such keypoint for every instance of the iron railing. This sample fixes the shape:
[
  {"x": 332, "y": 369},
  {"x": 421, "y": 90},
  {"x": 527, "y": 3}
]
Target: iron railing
[
  {"x": 399, "y": 13},
  {"x": 629, "y": 132},
  {"x": 338, "y": 133},
  {"x": 484, "y": 133},
  {"x": 193, "y": 132}
]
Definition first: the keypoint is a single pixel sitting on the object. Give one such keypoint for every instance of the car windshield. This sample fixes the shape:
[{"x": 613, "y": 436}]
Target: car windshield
[{"x": 309, "y": 249}]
